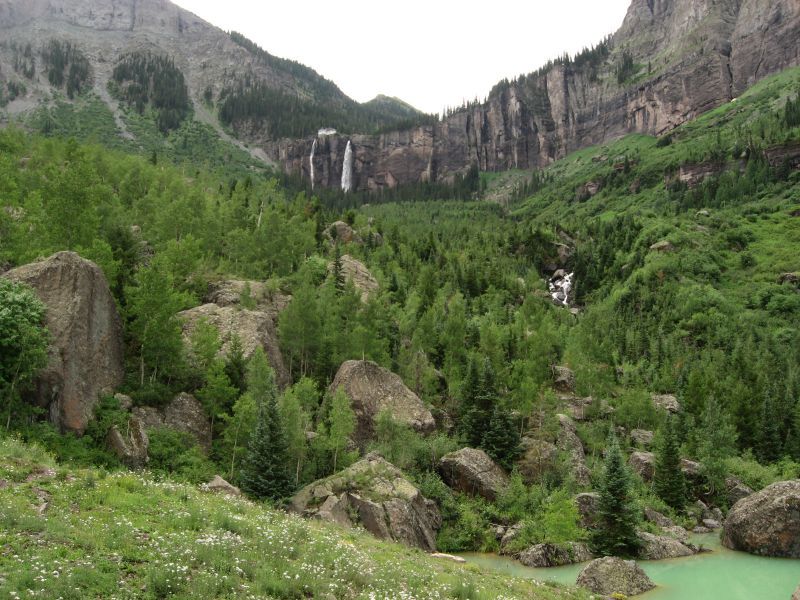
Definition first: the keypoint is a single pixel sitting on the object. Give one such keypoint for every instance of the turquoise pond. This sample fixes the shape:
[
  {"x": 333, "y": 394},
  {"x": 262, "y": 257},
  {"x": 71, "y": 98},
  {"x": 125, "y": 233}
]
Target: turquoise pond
[{"x": 721, "y": 574}]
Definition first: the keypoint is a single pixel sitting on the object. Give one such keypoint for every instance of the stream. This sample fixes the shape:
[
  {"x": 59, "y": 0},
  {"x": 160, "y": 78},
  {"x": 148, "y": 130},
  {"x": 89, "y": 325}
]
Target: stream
[{"x": 721, "y": 574}]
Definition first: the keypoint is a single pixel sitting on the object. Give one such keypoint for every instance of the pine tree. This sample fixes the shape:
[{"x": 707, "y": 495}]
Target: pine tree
[
  {"x": 669, "y": 483},
  {"x": 615, "y": 534},
  {"x": 265, "y": 473},
  {"x": 501, "y": 440},
  {"x": 470, "y": 425},
  {"x": 341, "y": 424},
  {"x": 793, "y": 443},
  {"x": 769, "y": 438},
  {"x": 338, "y": 270}
]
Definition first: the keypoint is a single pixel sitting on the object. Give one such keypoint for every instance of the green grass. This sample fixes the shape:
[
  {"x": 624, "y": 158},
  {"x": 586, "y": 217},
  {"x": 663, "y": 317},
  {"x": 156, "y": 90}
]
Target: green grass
[{"x": 125, "y": 535}]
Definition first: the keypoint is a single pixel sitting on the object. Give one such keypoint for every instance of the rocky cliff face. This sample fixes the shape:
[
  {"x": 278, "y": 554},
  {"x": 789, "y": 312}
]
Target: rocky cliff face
[{"x": 688, "y": 56}]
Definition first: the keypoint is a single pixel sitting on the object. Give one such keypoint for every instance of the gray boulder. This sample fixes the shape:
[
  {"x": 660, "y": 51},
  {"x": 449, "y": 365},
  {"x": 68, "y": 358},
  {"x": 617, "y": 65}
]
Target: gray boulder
[
  {"x": 666, "y": 402},
  {"x": 184, "y": 413},
  {"x": 642, "y": 437},
  {"x": 373, "y": 390},
  {"x": 736, "y": 490},
  {"x": 374, "y": 494},
  {"x": 131, "y": 445},
  {"x": 555, "y": 555},
  {"x": 220, "y": 486},
  {"x": 796, "y": 595},
  {"x": 356, "y": 272},
  {"x": 611, "y": 575},
  {"x": 563, "y": 379},
  {"x": 766, "y": 522},
  {"x": 588, "y": 504},
  {"x": 254, "y": 328},
  {"x": 658, "y": 547},
  {"x": 85, "y": 356},
  {"x": 539, "y": 458},
  {"x": 657, "y": 518},
  {"x": 643, "y": 464},
  {"x": 473, "y": 472},
  {"x": 569, "y": 442}
]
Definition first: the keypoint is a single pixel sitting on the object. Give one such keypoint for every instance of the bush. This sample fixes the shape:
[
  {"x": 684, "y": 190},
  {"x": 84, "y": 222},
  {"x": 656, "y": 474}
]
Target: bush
[{"x": 176, "y": 454}]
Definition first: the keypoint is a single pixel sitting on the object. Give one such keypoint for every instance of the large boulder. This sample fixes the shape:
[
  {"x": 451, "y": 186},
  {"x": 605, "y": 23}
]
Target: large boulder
[
  {"x": 340, "y": 232},
  {"x": 356, "y": 271},
  {"x": 796, "y": 595},
  {"x": 130, "y": 445},
  {"x": 539, "y": 458},
  {"x": 569, "y": 442},
  {"x": 374, "y": 494},
  {"x": 588, "y": 504},
  {"x": 255, "y": 328},
  {"x": 666, "y": 402},
  {"x": 611, "y": 575},
  {"x": 184, "y": 413},
  {"x": 373, "y": 390},
  {"x": 736, "y": 490},
  {"x": 220, "y": 486},
  {"x": 642, "y": 438},
  {"x": 555, "y": 555},
  {"x": 563, "y": 379},
  {"x": 643, "y": 464},
  {"x": 248, "y": 294},
  {"x": 473, "y": 472},
  {"x": 766, "y": 522},
  {"x": 657, "y": 547},
  {"x": 85, "y": 356}
]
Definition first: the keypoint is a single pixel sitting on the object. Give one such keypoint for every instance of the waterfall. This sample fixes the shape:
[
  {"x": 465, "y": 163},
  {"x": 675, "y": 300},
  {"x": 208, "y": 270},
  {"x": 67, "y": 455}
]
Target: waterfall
[
  {"x": 347, "y": 168},
  {"x": 311, "y": 162}
]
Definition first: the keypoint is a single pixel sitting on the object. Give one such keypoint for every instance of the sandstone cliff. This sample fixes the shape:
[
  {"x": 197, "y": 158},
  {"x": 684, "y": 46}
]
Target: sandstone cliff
[{"x": 688, "y": 56}]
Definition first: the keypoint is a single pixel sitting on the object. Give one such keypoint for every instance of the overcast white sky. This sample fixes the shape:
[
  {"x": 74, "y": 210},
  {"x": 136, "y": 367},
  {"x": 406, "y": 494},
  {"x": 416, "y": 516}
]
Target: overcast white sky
[{"x": 430, "y": 53}]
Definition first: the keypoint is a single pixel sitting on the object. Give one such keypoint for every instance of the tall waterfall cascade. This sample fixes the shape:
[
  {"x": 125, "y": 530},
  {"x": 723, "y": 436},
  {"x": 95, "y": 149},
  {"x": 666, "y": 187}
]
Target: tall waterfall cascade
[
  {"x": 311, "y": 162},
  {"x": 347, "y": 168}
]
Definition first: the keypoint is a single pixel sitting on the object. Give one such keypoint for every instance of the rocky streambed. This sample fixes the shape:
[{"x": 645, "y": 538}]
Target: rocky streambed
[{"x": 716, "y": 575}]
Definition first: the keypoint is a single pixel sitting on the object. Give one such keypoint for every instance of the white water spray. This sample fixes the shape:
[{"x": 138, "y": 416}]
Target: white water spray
[
  {"x": 311, "y": 162},
  {"x": 347, "y": 168}
]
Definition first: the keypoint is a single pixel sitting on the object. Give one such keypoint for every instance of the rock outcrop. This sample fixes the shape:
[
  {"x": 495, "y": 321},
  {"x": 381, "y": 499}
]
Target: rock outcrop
[
  {"x": 237, "y": 292},
  {"x": 611, "y": 575},
  {"x": 373, "y": 390},
  {"x": 340, "y": 232},
  {"x": 563, "y": 379},
  {"x": 658, "y": 547},
  {"x": 220, "y": 486},
  {"x": 85, "y": 356},
  {"x": 736, "y": 490},
  {"x": 766, "y": 522},
  {"x": 131, "y": 445},
  {"x": 642, "y": 437},
  {"x": 184, "y": 413},
  {"x": 588, "y": 504},
  {"x": 569, "y": 442},
  {"x": 666, "y": 402},
  {"x": 254, "y": 328},
  {"x": 643, "y": 464},
  {"x": 356, "y": 272},
  {"x": 796, "y": 595},
  {"x": 555, "y": 555},
  {"x": 373, "y": 493},
  {"x": 473, "y": 472},
  {"x": 539, "y": 458}
]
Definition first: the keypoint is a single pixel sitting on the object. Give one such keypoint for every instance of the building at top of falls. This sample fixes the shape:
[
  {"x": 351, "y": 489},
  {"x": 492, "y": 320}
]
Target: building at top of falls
[{"x": 326, "y": 131}]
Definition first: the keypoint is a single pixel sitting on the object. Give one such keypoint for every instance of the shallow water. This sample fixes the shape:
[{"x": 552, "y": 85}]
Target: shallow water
[{"x": 718, "y": 575}]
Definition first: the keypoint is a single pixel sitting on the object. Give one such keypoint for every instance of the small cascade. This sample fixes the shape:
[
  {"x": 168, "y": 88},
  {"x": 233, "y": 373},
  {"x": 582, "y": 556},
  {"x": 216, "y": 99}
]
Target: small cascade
[
  {"x": 311, "y": 162},
  {"x": 561, "y": 285},
  {"x": 347, "y": 168}
]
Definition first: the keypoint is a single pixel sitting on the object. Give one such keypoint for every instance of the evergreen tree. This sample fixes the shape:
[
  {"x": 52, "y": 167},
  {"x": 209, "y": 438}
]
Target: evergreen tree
[
  {"x": 669, "y": 483},
  {"x": 217, "y": 395},
  {"x": 295, "y": 423},
  {"x": 265, "y": 473},
  {"x": 341, "y": 424},
  {"x": 471, "y": 427},
  {"x": 235, "y": 364},
  {"x": 793, "y": 443},
  {"x": 615, "y": 534},
  {"x": 717, "y": 443},
  {"x": 769, "y": 439},
  {"x": 501, "y": 440},
  {"x": 339, "y": 280}
]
